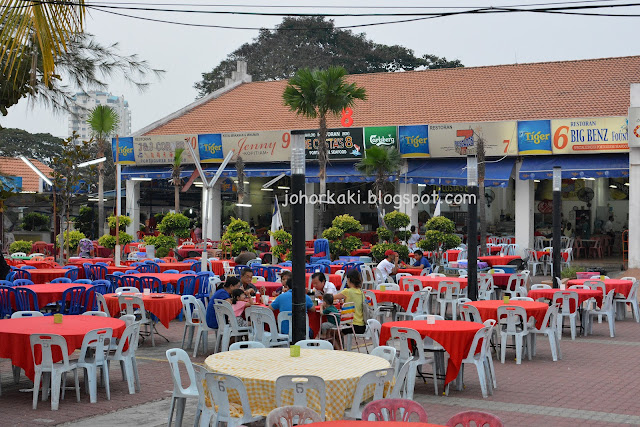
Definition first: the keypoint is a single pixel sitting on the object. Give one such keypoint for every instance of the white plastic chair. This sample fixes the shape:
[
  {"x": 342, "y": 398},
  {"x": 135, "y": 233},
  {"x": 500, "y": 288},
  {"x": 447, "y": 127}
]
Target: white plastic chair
[
  {"x": 486, "y": 288},
  {"x": 368, "y": 278},
  {"x": 21, "y": 314},
  {"x": 411, "y": 285},
  {"x": 401, "y": 275},
  {"x": 57, "y": 372},
  {"x": 402, "y": 338},
  {"x": 421, "y": 300},
  {"x": 632, "y": 299},
  {"x": 127, "y": 290},
  {"x": 479, "y": 360},
  {"x": 389, "y": 354},
  {"x": 378, "y": 311},
  {"x": 127, "y": 358},
  {"x": 378, "y": 379},
  {"x": 374, "y": 330},
  {"x": 243, "y": 345},
  {"x": 548, "y": 328},
  {"x": 388, "y": 286},
  {"x": 521, "y": 299},
  {"x": 513, "y": 322},
  {"x": 567, "y": 299},
  {"x": 540, "y": 286},
  {"x": 227, "y": 325},
  {"x": 405, "y": 380},
  {"x": 180, "y": 393},
  {"x": 95, "y": 346},
  {"x": 470, "y": 313},
  {"x": 448, "y": 293},
  {"x": 130, "y": 302},
  {"x": 315, "y": 345},
  {"x": 102, "y": 304},
  {"x": 609, "y": 310},
  {"x": 286, "y": 316},
  {"x": 517, "y": 286},
  {"x": 300, "y": 385},
  {"x": 261, "y": 317},
  {"x": 95, "y": 313},
  {"x": 533, "y": 263}
]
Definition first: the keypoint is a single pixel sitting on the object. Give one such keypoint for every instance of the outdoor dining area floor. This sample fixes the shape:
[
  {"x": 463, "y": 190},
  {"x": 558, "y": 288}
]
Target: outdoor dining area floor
[{"x": 595, "y": 384}]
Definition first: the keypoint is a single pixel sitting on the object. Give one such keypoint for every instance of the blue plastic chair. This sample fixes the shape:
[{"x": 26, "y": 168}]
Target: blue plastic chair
[
  {"x": 238, "y": 269},
  {"x": 6, "y": 283},
  {"x": 189, "y": 272},
  {"x": 26, "y": 299},
  {"x": 72, "y": 301},
  {"x": 152, "y": 267},
  {"x": 114, "y": 280},
  {"x": 202, "y": 284},
  {"x": 320, "y": 245},
  {"x": 285, "y": 264},
  {"x": 323, "y": 262},
  {"x": 97, "y": 272},
  {"x": 129, "y": 281},
  {"x": 104, "y": 286},
  {"x": 137, "y": 263},
  {"x": 10, "y": 274},
  {"x": 102, "y": 263},
  {"x": 22, "y": 282},
  {"x": 61, "y": 280},
  {"x": 158, "y": 260},
  {"x": 347, "y": 267},
  {"x": 27, "y": 267},
  {"x": 186, "y": 285},
  {"x": 152, "y": 283},
  {"x": 118, "y": 273},
  {"x": 21, "y": 274},
  {"x": 90, "y": 300},
  {"x": 85, "y": 267},
  {"x": 132, "y": 272},
  {"x": 196, "y": 266},
  {"x": 72, "y": 273},
  {"x": 171, "y": 272},
  {"x": 83, "y": 281},
  {"x": 142, "y": 268},
  {"x": 6, "y": 294}
]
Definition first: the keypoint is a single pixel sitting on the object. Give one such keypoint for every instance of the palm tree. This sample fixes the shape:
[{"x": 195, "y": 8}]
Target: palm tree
[
  {"x": 104, "y": 122},
  {"x": 381, "y": 163},
  {"x": 315, "y": 94},
  {"x": 176, "y": 179},
  {"x": 49, "y": 26}
]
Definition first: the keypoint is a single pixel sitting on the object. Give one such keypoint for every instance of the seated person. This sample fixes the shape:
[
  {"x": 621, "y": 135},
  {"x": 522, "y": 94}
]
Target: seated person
[
  {"x": 285, "y": 277},
  {"x": 224, "y": 293},
  {"x": 246, "y": 276},
  {"x": 321, "y": 285},
  {"x": 331, "y": 321},
  {"x": 244, "y": 257},
  {"x": 85, "y": 248},
  {"x": 389, "y": 265},
  {"x": 284, "y": 302},
  {"x": 421, "y": 260},
  {"x": 240, "y": 302},
  {"x": 353, "y": 293}
]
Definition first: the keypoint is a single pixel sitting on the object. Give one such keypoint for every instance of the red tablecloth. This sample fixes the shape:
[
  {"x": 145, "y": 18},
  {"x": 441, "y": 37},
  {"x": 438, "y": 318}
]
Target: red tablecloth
[
  {"x": 401, "y": 298},
  {"x": 112, "y": 268},
  {"x": 412, "y": 271},
  {"x": 45, "y": 275},
  {"x": 583, "y": 294},
  {"x": 14, "y": 335},
  {"x": 361, "y": 252},
  {"x": 494, "y": 249},
  {"x": 270, "y": 287},
  {"x": 501, "y": 280},
  {"x": 489, "y": 309},
  {"x": 180, "y": 266},
  {"x": 165, "y": 309},
  {"x": 80, "y": 261},
  {"x": 218, "y": 268},
  {"x": 619, "y": 286},
  {"x": 333, "y": 278},
  {"x": 434, "y": 282},
  {"x": 39, "y": 264},
  {"x": 185, "y": 252},
  {"x": 498, "y": 260},
  {"x": 544, "y": 255},
  {"x": 452, "y": 255},
  {"x": 455, "y": 336},
  {"x": 349, "y": 423},
  {"x": 164, "y": 277},
  {"x": 51, "y": 292}
]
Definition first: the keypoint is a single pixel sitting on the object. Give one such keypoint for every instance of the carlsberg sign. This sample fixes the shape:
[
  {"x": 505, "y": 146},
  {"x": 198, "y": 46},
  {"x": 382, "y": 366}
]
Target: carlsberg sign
[{"x": 381, "y": 136}]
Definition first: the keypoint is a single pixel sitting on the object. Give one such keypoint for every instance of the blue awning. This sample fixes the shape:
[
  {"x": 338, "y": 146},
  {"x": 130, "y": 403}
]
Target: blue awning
[
  {"x": 454, "y": 172},
  {"x": 576, "y": 166},
  {"x": 153, "y": 172},
  {"x": 164, "y": 171},
  {"x": 337, "y": 172}
]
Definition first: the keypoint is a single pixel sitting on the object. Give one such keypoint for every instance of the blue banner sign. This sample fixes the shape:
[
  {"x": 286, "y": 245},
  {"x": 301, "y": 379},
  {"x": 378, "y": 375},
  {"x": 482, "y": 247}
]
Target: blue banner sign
[
  {"x": 210, "y": 147},
  {"x": 534, "y": 137},
  {"x": 126, "y": 155},
  {"x": 414, "y": 141}
]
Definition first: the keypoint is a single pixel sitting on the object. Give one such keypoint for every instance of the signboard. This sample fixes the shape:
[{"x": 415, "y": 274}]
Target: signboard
[
  {"x": 381, "y": 136},
  {"x": 590, "y": 135},
  {"x": 344, "y": 143},
  {"x": 126, "y": 155},
  {"x": 228, "y": 186},
  {"x": 413, "y": 141},
  {"x": 634, "y": 127},
  {"x": 534, "y": 137},
  {"x": 210, "y": 148},
  {"x": 262, "y": 146},
  {"x": 160, "y": 149},
  {"x": 11, "y": 183},
  {"x": 460, "y": 139}
]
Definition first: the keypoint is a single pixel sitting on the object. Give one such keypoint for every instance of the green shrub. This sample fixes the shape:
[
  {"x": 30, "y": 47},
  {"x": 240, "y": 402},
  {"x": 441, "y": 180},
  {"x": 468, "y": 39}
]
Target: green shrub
[
  {"x": 384, "y": 234},
  {"x": 346, "y": 223},
  {"x": 162, "y": 243},
  {"x": 86, "y": 221},
  {"x": 284, "y": 243},
  {"x": 20, "y": 246},
  {"x": 72, "y": 238},
  {"x": 123, "y": 220},
  {"x": 377, "y": 251},
  {"x": 396, "y": 220},
  {"x": 175, "y": 224},
  {"x": 436, "y": 240},
  {"x": 34, "y": 221},
  {"x": 441, "y": 224},
  {"x": 238, "y": 236},
  {"x": 333, "y": 233},
  {"x": 570, "y": 273},
  {"x": 339, "y": 244},
  {"x": 109, "y": 241},
  {"x": 403, "y": 235}
]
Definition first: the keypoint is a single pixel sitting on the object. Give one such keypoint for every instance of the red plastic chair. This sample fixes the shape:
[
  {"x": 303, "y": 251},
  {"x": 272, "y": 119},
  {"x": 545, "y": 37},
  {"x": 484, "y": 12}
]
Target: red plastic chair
[
  {"x": 392, "y": 408},
  {"x": 480, "y": 419}
]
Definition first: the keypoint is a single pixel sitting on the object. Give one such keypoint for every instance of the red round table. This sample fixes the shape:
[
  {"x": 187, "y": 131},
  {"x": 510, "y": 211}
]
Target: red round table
[
  {"x": 270, "y": 287},
  {"x": 217, "y": 266},
  {"x": 51, "y": 292},
  {"x": 164, "y": 306},
  {"x": 455, "y": 336},
  {"x": 350, "y": 423},
  {"x": 14, "y": 335},
  {"x": 180, "y": 266},
  {"x": 165, "y": 278},
  {"x": 333, "y": 278},
  {"x": 501, "y": 280},
  {"x": 434, "y": 282},
  {"x": 619, "y": 286},
  {"x": 489, "y": 309},
  {"x": 498, "y": 260},
  {"x": 41, "y": 264},
  {"x": 80, "y": 261},
  {"x": 185, "y": 252},
  {"x": 123, "y": 268},
  {"x": 494, "y": 249},
  {"x": 410, "y": 270},
  {"x": 583, "y": 294},
  {"x": 452, "y": 254},
  {"x": 335, "y": 267},
  {"x": 45, "y": 275},
  {"x": 401, "y": 298}
]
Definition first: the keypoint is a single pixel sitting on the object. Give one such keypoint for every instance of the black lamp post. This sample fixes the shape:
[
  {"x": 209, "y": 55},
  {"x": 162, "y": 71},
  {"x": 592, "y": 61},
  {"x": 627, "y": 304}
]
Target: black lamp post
[
  {"x": 472, "y": 228},
  {"x": 299, "y": 331},
  {"x": 557, "y": 212}
]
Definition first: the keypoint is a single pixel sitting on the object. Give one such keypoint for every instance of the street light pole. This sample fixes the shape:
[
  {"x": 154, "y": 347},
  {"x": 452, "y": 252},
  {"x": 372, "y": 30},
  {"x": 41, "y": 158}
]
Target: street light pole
[
  {"x": 472, "y": 227},
  {"x": 298, "y": 270},
  {"x": 557, "y": 209}
]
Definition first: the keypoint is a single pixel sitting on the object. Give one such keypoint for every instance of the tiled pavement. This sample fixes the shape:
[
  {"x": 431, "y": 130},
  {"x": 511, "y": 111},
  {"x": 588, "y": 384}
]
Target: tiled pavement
[{"x": 596, "y": 384}]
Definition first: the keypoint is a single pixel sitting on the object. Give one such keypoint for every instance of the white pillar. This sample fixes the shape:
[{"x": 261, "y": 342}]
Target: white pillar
[
  {"x": 215, "y": 211},
  {"x": 634, "y": 192},
  {"x": 309, "y": 213},
  {"x": 407, "y": 191},
  {"x": 524, "y": 212},
  {"x": 132, "y": 194}
]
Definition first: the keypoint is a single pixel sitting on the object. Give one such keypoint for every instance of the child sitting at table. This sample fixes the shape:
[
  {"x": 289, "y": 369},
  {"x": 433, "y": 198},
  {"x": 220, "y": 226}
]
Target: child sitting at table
[
  {"x": 239, "y": 303},
  {"x": 328, "y": 310}
]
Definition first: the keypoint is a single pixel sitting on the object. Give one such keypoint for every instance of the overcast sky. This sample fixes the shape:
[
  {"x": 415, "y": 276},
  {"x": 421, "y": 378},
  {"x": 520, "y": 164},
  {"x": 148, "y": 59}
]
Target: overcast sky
[{"x": 477, "y": 40}]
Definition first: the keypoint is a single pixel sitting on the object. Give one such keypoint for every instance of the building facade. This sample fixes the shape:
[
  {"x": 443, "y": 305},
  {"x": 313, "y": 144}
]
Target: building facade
[{"x": 84, "y": 102}]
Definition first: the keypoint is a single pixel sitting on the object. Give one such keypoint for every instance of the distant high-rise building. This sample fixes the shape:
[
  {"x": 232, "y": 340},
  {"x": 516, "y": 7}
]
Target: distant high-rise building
[{"x": 86, "y": 101}]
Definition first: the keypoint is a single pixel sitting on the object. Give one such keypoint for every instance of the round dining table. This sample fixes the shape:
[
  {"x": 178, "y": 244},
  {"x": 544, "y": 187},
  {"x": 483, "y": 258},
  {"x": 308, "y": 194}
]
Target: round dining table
[
  {"x": 270, "y": 287},
  {"x": 401, "y": 298},
  {"x": 217, "y": 266},
  {"x": 165, "y": 278},
  {"x": 164, "y": 306},
  {"x": 411, "y": 270},
  {"x": 622, "y": 287},
  {"x": 455, "y": 336},
  {"x": 15, "y": 333},
  {"x": 122, "y": 268},
  {"x": 46, "y": 275},
  {"x": 259, "y": 369},
  {"x": 433, "y": 281},
  {"x": 583, "y": 294},
  {"x": 48, "y": 293},
  {"x": 180, "y": 266},
  {"x": 489, "y": 309},
  {"x": 80, "y": 261},
  {"x": 498, "y": 259}
]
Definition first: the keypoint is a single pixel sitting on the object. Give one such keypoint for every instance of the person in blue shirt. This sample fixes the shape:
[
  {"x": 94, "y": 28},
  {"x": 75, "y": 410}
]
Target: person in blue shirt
[
  {"x": 223, "y": 293},
  {"x": 421, "y": 260},
  {"x": 284, "y": 302}
]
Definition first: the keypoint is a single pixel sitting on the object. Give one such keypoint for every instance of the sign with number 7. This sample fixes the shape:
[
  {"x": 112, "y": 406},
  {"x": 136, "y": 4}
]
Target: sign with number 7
[{"x": 460, "y": 139}]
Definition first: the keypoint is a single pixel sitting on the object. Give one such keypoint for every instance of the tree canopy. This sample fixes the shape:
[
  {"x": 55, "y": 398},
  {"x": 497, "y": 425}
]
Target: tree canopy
[
  {"x": 41, "y": 146},
  {"x": 275, "y": 55}
]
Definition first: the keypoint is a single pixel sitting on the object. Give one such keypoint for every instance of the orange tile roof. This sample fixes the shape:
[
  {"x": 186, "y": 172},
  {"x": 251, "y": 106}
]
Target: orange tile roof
[
  {"x": 13, "y": 166},
  {"x": 586, "y": 88}
]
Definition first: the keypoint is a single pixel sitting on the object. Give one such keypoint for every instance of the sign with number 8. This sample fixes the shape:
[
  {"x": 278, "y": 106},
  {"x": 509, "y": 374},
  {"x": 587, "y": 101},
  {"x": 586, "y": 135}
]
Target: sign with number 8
[{"x": 346, "y": 119}]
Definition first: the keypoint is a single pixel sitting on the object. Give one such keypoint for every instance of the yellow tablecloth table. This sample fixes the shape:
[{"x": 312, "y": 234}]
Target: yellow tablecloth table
[{"x": 259, "y": 368}]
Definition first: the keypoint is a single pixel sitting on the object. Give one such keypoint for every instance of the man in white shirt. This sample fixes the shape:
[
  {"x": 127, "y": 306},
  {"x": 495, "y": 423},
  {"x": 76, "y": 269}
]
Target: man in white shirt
[
  {"x": 322, "y": 285},
  {"x": 389, "y": 265}
]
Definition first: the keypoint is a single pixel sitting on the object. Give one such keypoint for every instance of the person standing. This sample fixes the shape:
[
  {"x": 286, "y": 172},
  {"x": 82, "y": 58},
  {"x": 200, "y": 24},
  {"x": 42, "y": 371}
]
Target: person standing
[{"x": 413, "y": 239}]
